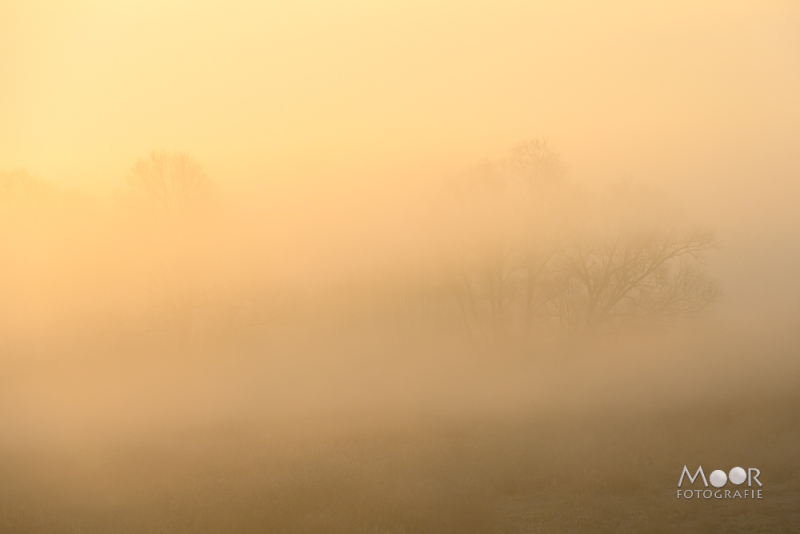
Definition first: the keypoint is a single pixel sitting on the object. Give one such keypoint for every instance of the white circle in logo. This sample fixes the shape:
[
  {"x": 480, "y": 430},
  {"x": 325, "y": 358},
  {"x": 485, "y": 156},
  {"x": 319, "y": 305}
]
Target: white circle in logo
[
  {"x": 718, "y": 478},
  {"x": 737, "y": 475}
]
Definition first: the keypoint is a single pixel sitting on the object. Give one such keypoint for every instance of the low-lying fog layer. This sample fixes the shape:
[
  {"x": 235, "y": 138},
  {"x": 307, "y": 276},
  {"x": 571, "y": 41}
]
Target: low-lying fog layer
[{"x": 507, "y": 286}]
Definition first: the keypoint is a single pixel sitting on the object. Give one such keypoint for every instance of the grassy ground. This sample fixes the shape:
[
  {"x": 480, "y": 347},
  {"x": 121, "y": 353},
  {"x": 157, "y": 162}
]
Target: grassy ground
[{"x": 588, "y": 473}]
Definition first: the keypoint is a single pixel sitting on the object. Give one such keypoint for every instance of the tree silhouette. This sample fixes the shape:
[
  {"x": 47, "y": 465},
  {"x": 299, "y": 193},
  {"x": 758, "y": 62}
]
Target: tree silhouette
[
  {"x": 631, "y": 267},
  {"x": 527, "y": 244},
  {"x": 174, "y": 196},
  {"x": 19, "y": 188},
  {"x": 505, "y": 234},
  {"x": 197, "y": 278},
  {"x": 171, "y": 182},
  {"x": 541, "y": 170},
  {"x": 486, "y": 239}
]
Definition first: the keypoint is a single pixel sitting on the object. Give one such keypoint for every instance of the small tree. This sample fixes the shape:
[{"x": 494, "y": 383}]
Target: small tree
[
  {"x": 174, "y": 195},
  {"x": 171, "y": 182}
]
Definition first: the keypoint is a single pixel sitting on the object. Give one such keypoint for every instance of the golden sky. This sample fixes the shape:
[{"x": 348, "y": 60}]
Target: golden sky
[{"x": 699, "y": 94}]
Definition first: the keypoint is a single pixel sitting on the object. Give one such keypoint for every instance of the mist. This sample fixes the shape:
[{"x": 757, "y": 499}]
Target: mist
[{"x": 348, "y": 267}]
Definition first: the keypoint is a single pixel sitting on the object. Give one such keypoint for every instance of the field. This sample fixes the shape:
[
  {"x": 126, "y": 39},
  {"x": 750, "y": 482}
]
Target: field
[{"x": 589, "y": 472}]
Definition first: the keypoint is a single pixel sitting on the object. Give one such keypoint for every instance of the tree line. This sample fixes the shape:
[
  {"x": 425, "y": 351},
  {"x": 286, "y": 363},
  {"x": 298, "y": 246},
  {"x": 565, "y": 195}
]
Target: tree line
[{"x": 518, "y": 250}]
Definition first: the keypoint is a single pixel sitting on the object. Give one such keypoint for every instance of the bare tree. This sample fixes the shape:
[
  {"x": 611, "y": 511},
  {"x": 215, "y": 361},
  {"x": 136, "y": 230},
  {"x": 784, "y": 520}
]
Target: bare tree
[
  {"x": 171, "y": 182},
  {"x": 196, "y": 277},
  {"x": 19, "y": 188},
  {"x": 529, "y": 245},
  {"x": 174, "y": 195},
  {"x": 488, "y": 242},
  {"x": 631, "y": 269},
  {"x": 536, "y": 163},
  {"x": 505, "y": 234},
  {"x": 541, "y": 170}
]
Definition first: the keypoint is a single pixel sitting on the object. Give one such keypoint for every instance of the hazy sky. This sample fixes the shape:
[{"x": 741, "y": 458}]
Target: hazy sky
[
  {"x": 333, "y": 114},
  {"x": 699, "y": 96}
]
